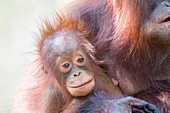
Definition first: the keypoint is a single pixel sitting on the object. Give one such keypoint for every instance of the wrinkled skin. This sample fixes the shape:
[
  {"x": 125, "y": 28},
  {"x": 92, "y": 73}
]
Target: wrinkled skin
[{"x": 99, "y": 104}]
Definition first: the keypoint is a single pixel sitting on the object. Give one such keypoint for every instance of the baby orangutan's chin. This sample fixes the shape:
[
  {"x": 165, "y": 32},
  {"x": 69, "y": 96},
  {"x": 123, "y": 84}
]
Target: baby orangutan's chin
[{"x": 83, "y": 89}]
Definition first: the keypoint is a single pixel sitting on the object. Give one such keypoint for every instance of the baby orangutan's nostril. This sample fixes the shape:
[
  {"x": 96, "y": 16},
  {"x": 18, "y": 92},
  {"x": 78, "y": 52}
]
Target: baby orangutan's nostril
[{"x": 75, "y": 75}]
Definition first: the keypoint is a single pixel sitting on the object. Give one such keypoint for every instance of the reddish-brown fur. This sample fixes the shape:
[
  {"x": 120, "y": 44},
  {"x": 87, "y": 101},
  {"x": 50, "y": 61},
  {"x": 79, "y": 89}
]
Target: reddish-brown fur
[{"x": 140, "y": 63}]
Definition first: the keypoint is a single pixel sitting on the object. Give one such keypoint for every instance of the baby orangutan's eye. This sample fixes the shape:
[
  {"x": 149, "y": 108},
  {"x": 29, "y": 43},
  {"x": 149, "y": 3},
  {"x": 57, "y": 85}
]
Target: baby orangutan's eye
[
  {"x": 65, "y": 67},
  {"x": 80, "y": 60}
]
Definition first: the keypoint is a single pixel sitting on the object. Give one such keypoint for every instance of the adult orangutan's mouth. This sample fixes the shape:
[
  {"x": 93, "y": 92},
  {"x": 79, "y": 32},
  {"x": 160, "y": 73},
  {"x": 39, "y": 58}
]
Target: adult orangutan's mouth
[{"x": 165, "y": 19}]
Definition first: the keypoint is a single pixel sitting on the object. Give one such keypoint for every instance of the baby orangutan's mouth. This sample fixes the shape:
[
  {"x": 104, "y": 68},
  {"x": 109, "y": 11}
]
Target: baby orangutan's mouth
[{"x": 84, "y": 84}]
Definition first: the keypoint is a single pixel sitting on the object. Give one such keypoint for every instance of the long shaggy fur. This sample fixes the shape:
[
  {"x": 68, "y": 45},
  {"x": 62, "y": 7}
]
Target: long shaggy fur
[{"x": 121, "y": 38}]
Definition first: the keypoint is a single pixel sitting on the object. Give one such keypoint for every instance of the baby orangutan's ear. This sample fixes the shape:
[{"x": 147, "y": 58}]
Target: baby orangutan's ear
[
  {"x": 45, "y": 71},
  {"x": 115, "y": 82}
]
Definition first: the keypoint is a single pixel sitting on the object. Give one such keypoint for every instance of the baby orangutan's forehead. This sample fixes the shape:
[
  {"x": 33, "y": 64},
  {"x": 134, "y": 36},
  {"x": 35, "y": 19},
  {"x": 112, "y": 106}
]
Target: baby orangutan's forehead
[{"x": 63, "y": 41}]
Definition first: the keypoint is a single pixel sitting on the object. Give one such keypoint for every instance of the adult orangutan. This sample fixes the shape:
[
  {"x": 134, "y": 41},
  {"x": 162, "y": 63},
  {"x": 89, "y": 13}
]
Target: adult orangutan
[
  {"x": 66, "y": 74},
  {"x": 100, "y": 103},
  {"x": 134, "y": 36}
]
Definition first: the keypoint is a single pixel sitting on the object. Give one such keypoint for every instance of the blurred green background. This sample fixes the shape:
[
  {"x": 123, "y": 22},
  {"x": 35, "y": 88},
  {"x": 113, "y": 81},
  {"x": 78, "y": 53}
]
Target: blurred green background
[{"x": 19, "y": 19}]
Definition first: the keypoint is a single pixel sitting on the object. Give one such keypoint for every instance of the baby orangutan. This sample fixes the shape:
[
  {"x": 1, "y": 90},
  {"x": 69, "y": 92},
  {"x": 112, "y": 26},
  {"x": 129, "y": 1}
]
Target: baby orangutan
[{"x": 69, "y": 57}]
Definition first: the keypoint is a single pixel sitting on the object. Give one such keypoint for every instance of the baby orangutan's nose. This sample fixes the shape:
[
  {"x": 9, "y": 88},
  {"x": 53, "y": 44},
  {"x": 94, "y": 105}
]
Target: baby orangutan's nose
[{"x": 77, "y": 74}]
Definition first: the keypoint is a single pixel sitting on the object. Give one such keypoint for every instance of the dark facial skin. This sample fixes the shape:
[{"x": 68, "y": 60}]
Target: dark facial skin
[
  {"x": 72, "y": 64},
  {"x": 158, "y": 24}
]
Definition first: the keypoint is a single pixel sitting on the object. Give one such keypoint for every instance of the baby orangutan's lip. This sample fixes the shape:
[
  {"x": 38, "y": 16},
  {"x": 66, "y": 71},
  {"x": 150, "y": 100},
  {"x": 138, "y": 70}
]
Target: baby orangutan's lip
[{"x": 88, "y": 82}]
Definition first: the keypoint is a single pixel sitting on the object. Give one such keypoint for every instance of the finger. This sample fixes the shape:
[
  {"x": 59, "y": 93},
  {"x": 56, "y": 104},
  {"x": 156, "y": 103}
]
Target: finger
[
  {"x": 149, "y": 108},
  {"x": 135, "y": 110},
  {"x": 133, "y": 101},
  {"x": 153, "y": 108}
]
